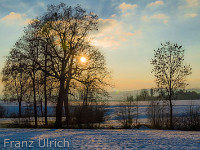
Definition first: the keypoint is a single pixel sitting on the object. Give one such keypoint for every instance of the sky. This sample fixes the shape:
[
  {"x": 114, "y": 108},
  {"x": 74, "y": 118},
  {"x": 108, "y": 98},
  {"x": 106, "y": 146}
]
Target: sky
[{"x": 129, "y": 32}]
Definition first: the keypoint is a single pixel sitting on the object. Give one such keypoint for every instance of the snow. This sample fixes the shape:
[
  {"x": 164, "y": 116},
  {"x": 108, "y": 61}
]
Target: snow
[
  {"x": 106, "y": 139},
  {"x": 113, "y": 139},
  {"x": 112, "y": 118}
]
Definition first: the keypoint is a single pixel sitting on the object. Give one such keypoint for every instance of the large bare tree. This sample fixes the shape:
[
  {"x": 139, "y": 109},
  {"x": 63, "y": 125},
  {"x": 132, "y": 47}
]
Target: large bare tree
[
  {"x": 169, "y": 71},
  {"x": 66, "y": 32},
  {"x": 52, "y": 47}
]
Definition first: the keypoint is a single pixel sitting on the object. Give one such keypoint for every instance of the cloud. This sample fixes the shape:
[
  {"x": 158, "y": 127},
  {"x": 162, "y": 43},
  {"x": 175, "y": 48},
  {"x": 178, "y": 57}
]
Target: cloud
[
  {"x": 27, "y": 21},
  {"x": 124, "y": 7},
  {"x": 159, "y": 16},
  {"x": 156, "y": 3},
  {"x": 15, "y": 19},
  {"x": 126, "y": 14},
  {"x": 13, "y": 16},
  {"x": 192, "y": 15},
  {"x": 192, "y": 3},
  {"x": 106, "y": 42},
  {"x": 162, "y": 17},
  {"x": 112, "y": 34},
  {"x": 113, "y": 16}
]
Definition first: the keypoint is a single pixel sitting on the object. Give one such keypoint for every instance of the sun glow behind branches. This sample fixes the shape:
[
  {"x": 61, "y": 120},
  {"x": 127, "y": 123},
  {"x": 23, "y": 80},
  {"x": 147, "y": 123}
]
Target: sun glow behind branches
[{"x": 83, "y": 59}]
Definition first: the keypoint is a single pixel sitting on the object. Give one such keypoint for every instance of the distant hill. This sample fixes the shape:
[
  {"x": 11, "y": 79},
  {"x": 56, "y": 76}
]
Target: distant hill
[
  {"x": 121, "y": 95},
  {"x": 193, "y": 89}
]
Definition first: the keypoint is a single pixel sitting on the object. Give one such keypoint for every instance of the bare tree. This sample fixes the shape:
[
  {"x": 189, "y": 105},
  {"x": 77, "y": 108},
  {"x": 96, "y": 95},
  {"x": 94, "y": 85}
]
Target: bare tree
[
  {"x": 27, "y": 55},
  {"x": 169, "y": 71},
  {"x": 127, "y": 113},
  {"x": 137, "y": 109},
  {"x": 144, "y": 94},
  {"x": 158, "y": 115},
  {"x": 65, "y": 30},
  {"x": 51, "y": 49},
  {"x": 14, "y": 79}
]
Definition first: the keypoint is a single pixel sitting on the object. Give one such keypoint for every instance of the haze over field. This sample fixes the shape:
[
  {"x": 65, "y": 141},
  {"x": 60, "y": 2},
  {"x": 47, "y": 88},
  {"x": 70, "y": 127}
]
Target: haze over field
[{"x": 129, "y": 32}]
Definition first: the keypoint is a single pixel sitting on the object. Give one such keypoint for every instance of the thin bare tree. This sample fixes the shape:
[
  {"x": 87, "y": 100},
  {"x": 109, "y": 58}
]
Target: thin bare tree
[{"x": 169, "y": 71}]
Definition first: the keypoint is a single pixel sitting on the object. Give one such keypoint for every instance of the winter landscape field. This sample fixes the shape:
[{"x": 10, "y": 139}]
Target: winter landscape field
[
  {"x": 180, "y": 107},
  {"x": 99, "y": 74},
  {"x": 100, "y": 139},
  {"x": 115, "y": 139}
]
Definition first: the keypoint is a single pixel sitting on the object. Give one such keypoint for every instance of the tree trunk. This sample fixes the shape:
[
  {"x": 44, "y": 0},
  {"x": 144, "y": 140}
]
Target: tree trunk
[
  {"x": 59, "y": 106},
  {"x": 45, "y": 87},
  {"x": 20, "y": 110},
  {"x": 41, "y": 108},
  {"x": 45, "y": 102},
  {"x": 85, "y": 100},
  {"x": 170, "y": 93},
  {"x": 86, "y": 96},
  {"x": 35, "y": 103},
  {"x": 66, "y": 103},
  {"x": 20, "y": 99},
  {"x": 171, "y": 109},
  {"x": 136, "y": 120},
  {"x": 45, "y": 99}
]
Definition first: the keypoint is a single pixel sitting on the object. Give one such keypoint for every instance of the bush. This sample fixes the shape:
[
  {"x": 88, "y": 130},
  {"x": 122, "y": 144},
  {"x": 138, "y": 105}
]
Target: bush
[
  {"x": 13, "y": 115},
  {"x": 86, "y": 116},
  {"x": 190, "y": 120},
  {"x": 158, "y": 115},
  {"x": 2, "y": 111},
  {"x": 27, "y": 112},
  {"x": 21, "y": 123},
  {"x": 126, "y": 114}
]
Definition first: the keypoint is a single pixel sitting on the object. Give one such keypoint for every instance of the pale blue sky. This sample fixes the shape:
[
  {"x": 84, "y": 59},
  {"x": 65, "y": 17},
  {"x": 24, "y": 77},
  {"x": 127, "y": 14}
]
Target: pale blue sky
[{"x": 129, "y": 32}]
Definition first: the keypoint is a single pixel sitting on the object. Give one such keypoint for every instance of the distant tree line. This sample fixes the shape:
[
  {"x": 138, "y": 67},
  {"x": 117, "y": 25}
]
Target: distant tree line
[
  {"x": 154, "y": 94},
  {"x": 186, "y": 95}
]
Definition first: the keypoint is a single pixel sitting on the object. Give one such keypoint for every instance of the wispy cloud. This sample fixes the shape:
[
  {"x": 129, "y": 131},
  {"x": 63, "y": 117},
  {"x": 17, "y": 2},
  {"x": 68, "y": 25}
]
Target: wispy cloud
[
  {"x": 13, "y": 16},
  {"x": 156, "y": 3},
  {"x": 162, "y": 17},
  {"x": 15, "y": 19},
  {"x": 106, "y": 42},
  {"x": 192, "y": 3},
  {"x": 124, "y": 7},
  {"x": 159, "y": 16},
  {"x": 113, "y": 16},
  {"x": 112, "y": 34},
  {"x": 191, "y": 15}
]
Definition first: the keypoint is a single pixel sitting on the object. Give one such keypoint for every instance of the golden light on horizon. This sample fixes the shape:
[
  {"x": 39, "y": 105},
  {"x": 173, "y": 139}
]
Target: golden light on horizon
[{"x": 83, "y": 59}]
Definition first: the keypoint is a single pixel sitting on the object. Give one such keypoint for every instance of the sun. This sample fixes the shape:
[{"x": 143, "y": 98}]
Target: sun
[{"x": 83, "y": 59}]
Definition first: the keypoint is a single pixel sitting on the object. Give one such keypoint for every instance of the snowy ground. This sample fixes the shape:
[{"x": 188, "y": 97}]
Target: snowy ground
[{"x": 103, "y": 139}]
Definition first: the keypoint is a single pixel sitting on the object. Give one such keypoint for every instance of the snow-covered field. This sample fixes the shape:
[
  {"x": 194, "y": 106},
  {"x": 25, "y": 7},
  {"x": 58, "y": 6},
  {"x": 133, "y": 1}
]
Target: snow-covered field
[
  {"x": 34, "y": 139},
  {"x": 100, "y": 139},
  {"x": 180, "y": 106}
]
